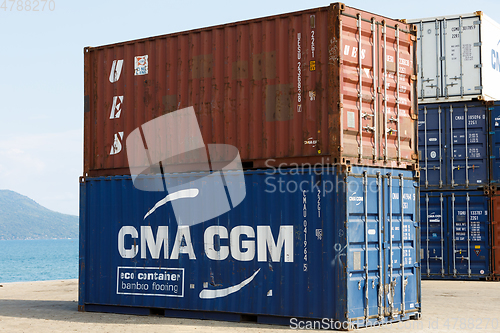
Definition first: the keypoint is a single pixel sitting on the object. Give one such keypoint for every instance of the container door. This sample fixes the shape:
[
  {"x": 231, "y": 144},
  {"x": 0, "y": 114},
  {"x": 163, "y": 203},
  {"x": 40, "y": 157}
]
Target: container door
[
  {"x": 461, "y": 62},
  {"x": 377, "y": 290},
  {"x": 468, "y": 142},
  {"x": 396, "y": 124},
  {"x": 434, "y": 242},
  {"x": 429, "y": 64},
  {"x": 470, "y": 250},
  {"x": 364, "y": 236},
  {"x": 431, "y": 146},
  {"x": 400, "y": 244},
  {"x": 360, "y": 54},
  {"x": 495, "y": 236},
  {"x": 495, "y": 143}
]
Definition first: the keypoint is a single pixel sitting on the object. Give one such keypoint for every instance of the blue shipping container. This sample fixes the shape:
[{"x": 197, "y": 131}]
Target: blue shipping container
[
  {"x": 447, "y": 159},
  {"x": 312, "y": 244},
  {"x": 455, "y": 230},
  {"x": 495, "y": 143}
]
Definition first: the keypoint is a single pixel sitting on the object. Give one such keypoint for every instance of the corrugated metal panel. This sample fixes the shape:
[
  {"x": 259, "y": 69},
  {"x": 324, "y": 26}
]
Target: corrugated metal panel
[
  {"x": 449, "y": 160},
  {"x": 495, "y": 237},
  {"x": 287, "y": 88},
  {"x": 458, "y": 58},
  {"x": 455, "y": 235},
  {"x": 322, "y": 268},
  {"x": 495, "y": 143}
]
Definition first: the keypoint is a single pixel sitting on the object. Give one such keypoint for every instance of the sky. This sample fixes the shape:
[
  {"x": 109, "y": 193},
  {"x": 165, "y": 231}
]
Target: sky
[{"x": 41, "y": 73}]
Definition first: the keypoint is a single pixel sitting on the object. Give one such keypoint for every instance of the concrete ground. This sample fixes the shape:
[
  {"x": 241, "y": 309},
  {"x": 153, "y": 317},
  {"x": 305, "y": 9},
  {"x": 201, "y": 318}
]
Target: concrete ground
[{"x": 51, "y": 306}]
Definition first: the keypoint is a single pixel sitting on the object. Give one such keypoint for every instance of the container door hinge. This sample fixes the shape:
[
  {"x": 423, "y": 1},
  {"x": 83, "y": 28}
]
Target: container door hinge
[
  {"x": 413, "y": 38},
  {"x": 478, "y": 65},
  {"x": 413, "y": 77},
  {"x": 478, "y": 87},
  {"x": 478, "y": 44},
  {"x": 416, "y": 264}
]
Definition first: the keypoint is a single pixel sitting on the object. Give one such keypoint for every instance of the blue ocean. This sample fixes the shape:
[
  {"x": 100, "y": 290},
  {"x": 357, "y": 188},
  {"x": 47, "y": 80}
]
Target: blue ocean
[{"x": 38, "y": 260}]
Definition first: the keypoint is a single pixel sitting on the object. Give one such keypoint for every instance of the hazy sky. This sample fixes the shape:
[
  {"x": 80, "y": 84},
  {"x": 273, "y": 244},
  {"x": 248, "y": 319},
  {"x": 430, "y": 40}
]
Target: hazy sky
[{"x": 41, "y": 73}]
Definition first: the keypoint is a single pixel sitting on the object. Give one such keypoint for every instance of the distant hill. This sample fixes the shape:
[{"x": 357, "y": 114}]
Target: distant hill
[{"x": 22, "y": 218}]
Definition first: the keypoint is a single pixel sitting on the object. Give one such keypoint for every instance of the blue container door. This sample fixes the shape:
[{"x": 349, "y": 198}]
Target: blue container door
[
  {"x": 468, "y": 143},
  {"x": 455, "y": 235},
  {"x": 434, "y": 242},
  {"x": 495, "y": 143},
  {"x": 469, "y": 250},
  {"x": 364, "y": 236},
  {"x": 381, "y": 229},
  {"x": 401, "y": 258},
  {"x": 431, "y": 146}
]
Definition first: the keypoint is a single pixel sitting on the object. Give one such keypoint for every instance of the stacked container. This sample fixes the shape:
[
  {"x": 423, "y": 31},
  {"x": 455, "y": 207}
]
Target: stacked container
[
  {"x": 294, "y": 197},
  {"x": 494, "y": 141},
  {"x": 457, "y": 69}
]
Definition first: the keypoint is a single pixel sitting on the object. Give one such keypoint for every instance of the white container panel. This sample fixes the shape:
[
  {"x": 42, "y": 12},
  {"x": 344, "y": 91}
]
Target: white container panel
[
  {"x": 490, "y": 58},
  {"x": 462, "y": 57},
  {"x": 429, "y": 79},
  {"x": 458, "y": 58}
]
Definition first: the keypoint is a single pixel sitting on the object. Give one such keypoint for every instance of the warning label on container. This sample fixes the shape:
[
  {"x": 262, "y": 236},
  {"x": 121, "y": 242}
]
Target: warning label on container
[{"x": 150, "y": 281}]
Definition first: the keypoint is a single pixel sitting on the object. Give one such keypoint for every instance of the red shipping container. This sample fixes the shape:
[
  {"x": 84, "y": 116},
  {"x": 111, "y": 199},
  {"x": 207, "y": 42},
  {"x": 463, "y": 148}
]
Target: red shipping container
[{"x": 316, "y": 86}]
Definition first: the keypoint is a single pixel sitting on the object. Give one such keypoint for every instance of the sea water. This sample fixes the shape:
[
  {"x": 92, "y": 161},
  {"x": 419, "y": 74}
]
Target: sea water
[{"x": 38, "y": 260}]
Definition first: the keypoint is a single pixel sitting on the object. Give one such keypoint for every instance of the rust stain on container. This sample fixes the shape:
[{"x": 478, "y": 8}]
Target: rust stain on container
[{"x": 316, "y": 86}]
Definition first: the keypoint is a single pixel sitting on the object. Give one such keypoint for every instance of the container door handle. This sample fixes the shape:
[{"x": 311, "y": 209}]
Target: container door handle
[
  {"x": 438, "y": 57},
  {"x": 440, "y": 148},
  {"x": 442, "y": 234},
  {"x": 425, "y": 148},
  {"x": 453, "y": 226},
  {"x": 381, "y": 222},
  {"x": 391, "y": 264},
  {"x": 360, "y": 92},
  {"x": 427, "y": 234},
  {"x": 466, "y": 149},
  {"x": 397, "y": 94},
  {"x": 468, "y": 236},
  {"x": 452, "y": 153},
  {"x": 365, "y": 199},
  {"x": 402, "y": 232},
  {"x": 384, "y": 34}
]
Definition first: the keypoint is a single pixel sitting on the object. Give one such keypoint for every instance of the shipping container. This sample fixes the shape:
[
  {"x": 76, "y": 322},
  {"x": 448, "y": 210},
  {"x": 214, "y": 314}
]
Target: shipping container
[
  {"x": 455, "y": 238},
  {"x": 317, "y": 86},
  {"x": 495, "y": 144},
  {"x": 458, "y": 58},
  {"x": 495, "y": 237},
  {"x": 453, "y": 145},
  {"x": 312, "y": 243}
]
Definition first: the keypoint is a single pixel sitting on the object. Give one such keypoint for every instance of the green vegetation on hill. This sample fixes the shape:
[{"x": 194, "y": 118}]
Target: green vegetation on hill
[{"x": 23, "y": 218}]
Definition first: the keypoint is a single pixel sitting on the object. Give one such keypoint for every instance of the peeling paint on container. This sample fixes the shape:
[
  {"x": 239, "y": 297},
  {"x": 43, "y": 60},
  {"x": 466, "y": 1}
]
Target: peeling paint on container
[
  {"x": 316, "y": 86},
  {"x": 341, "y": 245}
]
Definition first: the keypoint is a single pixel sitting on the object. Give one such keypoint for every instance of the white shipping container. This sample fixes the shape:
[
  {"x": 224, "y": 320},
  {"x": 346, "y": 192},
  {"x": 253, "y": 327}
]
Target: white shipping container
[{"x": 458, "y": 58}]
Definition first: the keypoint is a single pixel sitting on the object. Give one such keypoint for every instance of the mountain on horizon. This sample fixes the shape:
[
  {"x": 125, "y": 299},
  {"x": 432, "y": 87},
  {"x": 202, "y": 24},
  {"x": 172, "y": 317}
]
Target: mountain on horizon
[{"x": 23, "y": 218}]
